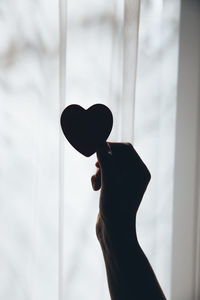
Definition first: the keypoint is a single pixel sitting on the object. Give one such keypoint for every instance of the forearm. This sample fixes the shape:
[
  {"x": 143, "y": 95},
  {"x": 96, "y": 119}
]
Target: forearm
[{"x": 129, "y": 273}]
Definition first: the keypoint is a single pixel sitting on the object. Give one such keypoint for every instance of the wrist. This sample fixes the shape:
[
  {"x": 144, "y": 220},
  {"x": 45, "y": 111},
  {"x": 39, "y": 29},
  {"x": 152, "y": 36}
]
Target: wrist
[{"x": 117, "y": 231}]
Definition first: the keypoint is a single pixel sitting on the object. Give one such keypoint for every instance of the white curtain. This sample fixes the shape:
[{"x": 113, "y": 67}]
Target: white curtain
[
  {"x": 29, "y": 173},
  {"x": 48, "y": 247}
]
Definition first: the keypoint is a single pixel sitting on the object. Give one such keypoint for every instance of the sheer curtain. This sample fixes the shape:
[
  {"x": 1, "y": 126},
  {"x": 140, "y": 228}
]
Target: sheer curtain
[
  {"x": 48, "y": 247},
  {"x": 29, "y": 159}
]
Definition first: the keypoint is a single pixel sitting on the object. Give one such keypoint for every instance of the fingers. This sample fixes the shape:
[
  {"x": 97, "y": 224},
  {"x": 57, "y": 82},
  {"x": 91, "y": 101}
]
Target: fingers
[
  {"x": 96, "y": 180},
  {"x": 114, "y": 160},
  {"x": 104, "y": 155},
  {"x": 97, "y": 164}
]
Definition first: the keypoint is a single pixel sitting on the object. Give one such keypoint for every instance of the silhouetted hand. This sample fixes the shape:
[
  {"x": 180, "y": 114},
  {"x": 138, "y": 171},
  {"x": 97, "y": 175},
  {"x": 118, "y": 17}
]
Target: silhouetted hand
[{"x": 123, "y": 178}]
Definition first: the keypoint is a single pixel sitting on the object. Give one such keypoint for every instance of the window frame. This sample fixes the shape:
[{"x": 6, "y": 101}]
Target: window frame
[{"x": 185, "y": 275}]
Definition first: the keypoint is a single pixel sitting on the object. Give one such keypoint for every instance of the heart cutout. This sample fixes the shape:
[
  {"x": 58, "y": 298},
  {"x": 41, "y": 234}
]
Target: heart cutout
[{"x": 86, "y": 130}]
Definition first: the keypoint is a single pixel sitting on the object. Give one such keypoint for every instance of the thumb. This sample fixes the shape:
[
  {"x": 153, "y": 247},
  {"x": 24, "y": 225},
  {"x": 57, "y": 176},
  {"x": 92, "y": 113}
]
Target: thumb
[{"x": 104, "y": 156}]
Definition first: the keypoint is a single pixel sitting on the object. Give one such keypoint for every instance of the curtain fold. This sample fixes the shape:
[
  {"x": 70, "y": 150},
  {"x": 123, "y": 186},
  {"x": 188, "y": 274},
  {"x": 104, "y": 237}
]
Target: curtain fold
[
  {"x": 130, "y": 53},
  {"x": 62, "y": 98}
]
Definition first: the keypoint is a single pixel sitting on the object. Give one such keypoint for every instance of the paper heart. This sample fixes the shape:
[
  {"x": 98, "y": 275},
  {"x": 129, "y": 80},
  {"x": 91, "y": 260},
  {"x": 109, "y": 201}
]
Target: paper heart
[{"x": 86, "y": 130}]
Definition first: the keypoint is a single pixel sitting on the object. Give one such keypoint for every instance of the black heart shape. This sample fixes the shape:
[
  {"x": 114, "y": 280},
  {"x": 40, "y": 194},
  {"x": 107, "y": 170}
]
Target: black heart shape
[{"x": 86, "y": 130}]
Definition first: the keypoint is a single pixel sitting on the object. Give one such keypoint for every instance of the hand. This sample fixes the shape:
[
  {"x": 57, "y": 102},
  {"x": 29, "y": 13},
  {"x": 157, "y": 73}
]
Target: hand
[{"x": 123, "y": 178}]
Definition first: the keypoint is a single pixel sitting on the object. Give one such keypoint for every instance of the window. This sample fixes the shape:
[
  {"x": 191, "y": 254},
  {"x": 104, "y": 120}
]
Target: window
[{"x": 141, "y": 58}]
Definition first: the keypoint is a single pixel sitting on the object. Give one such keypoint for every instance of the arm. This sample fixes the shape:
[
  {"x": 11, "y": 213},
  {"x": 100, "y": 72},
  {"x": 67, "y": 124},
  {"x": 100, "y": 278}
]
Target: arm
[{"x": 123, "y": 178}]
